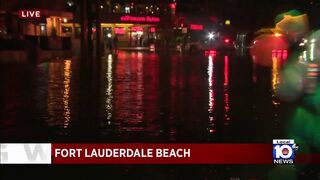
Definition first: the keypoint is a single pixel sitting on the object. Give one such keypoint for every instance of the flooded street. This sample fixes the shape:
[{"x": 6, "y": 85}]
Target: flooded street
[
  {"x": 156, "y": 98},
  {"x": 144, "y": 97},
  {"x": 178, "y": 89}
]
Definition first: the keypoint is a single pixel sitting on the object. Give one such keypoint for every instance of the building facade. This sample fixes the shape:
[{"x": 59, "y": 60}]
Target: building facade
[{"x": 53, "y": 15}]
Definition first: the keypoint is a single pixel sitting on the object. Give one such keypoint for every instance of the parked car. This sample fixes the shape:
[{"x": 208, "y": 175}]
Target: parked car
[{"x": 216, "y": 41}]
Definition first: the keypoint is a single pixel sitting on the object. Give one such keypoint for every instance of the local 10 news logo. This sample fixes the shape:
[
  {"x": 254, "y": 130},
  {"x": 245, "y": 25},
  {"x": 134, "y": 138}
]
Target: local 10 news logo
[{"x": 283, "y": 151}]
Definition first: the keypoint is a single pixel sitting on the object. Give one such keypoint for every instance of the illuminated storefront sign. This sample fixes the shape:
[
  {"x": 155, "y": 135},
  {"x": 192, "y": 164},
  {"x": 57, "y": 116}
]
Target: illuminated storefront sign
[
  {"x": 152, "y": 29},
  {"x": 139, "y": 19},
  {"x": 119, "y": 30},
  {"x": 197, "y": 27},
  {"x": 137, "y": 28}
]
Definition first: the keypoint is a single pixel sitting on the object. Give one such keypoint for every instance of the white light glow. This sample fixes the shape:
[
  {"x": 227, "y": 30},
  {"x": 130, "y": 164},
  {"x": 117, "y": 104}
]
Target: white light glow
[
  {"x": 277, "y": 34},
  {"x": 127, "y": 9},
  {"x": 305, "y": 55},
  {"x": 312, "y": 45},
  {"x": 211, "y": 35}
]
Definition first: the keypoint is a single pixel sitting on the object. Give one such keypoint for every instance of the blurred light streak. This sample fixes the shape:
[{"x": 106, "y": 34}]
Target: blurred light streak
[
  {"x": 275, "y": 79},
  {"x": 211, "y": 95},
  {"x": 109, "y": 88},
  {"x": 226, "y": 84},
  {"x": 66, "y": 93}
]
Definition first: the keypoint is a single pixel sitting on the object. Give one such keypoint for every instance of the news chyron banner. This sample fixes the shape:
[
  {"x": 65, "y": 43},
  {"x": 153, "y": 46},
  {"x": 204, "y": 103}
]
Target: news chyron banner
[{"x": 280, "y": 152}]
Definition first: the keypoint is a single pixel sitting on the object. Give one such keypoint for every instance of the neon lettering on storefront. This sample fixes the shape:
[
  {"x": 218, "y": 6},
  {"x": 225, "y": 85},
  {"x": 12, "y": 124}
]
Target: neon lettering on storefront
[
  {"x": 119, "y": 30},
  {"x": 139, "y": 19},
  {"x": 137, "y": 28},
  {"x": 153, "y": 29},
  {"x": 197, "y": 27}
]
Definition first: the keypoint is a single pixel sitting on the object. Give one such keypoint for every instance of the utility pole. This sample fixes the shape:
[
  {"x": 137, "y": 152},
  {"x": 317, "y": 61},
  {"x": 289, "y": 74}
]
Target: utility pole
[
  {"x": 98, "y": 30},
  {"x": 84, "y": 30},
  {"x": 89, "y": 25}
]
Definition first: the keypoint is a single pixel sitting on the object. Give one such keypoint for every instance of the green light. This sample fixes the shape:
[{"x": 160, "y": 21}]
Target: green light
[{"x": 289, "y": 13}]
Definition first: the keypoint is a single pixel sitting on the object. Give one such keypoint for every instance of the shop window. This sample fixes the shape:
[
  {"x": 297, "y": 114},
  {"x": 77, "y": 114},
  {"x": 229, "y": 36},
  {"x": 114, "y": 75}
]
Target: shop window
[
  {"x": 43, "y": 30},
  {"x": 66, "y": 29}
]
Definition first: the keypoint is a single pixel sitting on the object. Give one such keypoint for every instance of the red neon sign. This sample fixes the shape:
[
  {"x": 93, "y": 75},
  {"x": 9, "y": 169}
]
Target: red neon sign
[
  {"x": 152, "y": 29},
  {"x": 197, "y": 27},
  {"x": 119, "y": 30},
  {"x": 137, "y": 28},
  {"x": 139, "y": 19}
]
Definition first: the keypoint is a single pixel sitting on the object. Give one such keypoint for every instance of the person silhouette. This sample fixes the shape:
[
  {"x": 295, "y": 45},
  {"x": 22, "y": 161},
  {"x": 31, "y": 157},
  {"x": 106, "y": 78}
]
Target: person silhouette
[{"x": 115, "y": 43}]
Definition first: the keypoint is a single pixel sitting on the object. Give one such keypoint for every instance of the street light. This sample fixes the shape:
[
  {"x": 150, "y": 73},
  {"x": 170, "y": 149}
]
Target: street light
[
  {"x": 211, "y": 35},
  {"x": 70, "y": 3}
]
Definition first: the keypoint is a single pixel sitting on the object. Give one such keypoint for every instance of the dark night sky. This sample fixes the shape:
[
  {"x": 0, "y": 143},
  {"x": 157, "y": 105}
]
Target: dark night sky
[{"x": 243, "y": 13}]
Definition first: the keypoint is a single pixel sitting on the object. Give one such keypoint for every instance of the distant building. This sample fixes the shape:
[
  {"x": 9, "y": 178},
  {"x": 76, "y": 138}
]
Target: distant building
[
  {"x": 136, "y": 22},
  {"x": 54, "y": 14}
]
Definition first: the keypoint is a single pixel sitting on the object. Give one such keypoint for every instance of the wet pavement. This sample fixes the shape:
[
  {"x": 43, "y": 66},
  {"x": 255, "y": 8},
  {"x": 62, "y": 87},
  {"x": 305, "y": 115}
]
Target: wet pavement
[{"x": 144, "y": 97}]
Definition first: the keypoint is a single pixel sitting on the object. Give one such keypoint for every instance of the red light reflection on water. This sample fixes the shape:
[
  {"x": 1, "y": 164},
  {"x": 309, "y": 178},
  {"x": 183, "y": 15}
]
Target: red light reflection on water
[
  {"x": 211, "y": 95},
  {"x": 226, "y": 70},
  {"x": 226, "y": 91},
  {"x": 210, "y": 53},
  {"x": 129, "y": 89},
  {"x": 135, "y": 93}
]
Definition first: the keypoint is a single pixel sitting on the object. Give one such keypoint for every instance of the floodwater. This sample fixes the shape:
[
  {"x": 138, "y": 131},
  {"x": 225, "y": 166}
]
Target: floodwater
[
  {"x": 144, "y": 97},
  {"x": 148, "y": 97}
]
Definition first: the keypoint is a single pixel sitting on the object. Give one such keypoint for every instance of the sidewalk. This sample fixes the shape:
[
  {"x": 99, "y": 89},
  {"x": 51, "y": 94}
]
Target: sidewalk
[
  {"x": 135, "y": 48},
  {"x": 145, "y": 49}
]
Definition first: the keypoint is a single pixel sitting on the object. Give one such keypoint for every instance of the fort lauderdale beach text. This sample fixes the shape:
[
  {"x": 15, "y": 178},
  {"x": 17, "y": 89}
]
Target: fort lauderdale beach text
[{"x": 122, "y": 153}]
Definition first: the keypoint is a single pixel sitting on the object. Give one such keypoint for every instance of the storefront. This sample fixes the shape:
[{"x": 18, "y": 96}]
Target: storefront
[
  {"x": 132, "y": 35},
  {"x": 50, "y": 24},
  {"x": 132, "y": 31}
]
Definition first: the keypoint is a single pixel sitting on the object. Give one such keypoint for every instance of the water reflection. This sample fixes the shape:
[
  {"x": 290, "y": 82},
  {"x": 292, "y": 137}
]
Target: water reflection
[
  {"x": 109, "y": 89},
  {"x": 151, "y": 91},
  {"x": 278, "y": 59},
  {"x": 129, "y": 90},
  {"x": 211, "y": 95},
  {"x": 58, "y": 101},
  {"x": 140, "y": 86},
  {"x": 66, "y": 93},
  {"x": 226, "y": 91},
  {"x": 275, "y": 79},
  {"x": 153, "y": 97}
]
